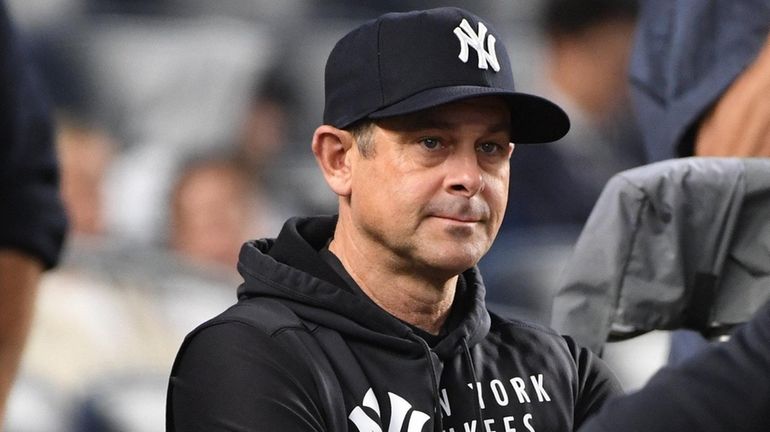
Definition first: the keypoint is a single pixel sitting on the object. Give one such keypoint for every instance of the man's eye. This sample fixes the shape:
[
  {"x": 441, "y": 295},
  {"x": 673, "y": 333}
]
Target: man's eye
[
  {"x": 430, "y": 143},
  {"x": 489, "y": 147}
]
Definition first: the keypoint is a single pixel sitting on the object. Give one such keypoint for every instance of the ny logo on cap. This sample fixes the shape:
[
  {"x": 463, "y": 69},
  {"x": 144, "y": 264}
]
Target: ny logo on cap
[{"x": 467, "y": 36}]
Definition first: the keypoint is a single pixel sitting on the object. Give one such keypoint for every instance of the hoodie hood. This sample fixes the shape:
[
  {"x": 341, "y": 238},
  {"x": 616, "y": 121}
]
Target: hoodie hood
[{"x": 291, "y": 269}]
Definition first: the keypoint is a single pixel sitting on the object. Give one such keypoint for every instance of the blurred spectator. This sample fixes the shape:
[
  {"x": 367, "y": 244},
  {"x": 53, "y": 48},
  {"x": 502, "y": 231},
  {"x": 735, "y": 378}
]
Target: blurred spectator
[
  {"x": 215, "y": 208},
  {"x": 112, "y": 319},
  {"x": 553, "y": 187},
  {"x": 588, "y": 46},
  {"x": 32, "y": 221},
  {"x": 265, "y": 130},
  {"x": 85, "y": 153},
  {"x": 168, "y": 88},
  {"x": 267, "y": 148},
  {"x": 217, "y": 201},
  {"x": 112, "y": 316}
]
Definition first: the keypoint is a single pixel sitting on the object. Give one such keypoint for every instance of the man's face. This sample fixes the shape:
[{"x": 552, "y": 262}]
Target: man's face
[{"x": 432, "y": 195}]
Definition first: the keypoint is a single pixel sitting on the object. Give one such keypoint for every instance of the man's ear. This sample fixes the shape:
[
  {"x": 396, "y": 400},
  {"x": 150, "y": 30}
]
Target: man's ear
[{"x": 332, "y": 148}]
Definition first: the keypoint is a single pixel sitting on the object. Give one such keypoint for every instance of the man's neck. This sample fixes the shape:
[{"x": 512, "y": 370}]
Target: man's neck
[{"x": 420, "y": 301}]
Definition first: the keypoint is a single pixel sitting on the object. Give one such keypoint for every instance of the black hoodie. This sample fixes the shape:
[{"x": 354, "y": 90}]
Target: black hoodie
[{"x": 303, "y": 351}]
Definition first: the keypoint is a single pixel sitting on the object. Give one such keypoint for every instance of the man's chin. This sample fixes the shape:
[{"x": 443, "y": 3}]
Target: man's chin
[{"x": 456, "y": 261}]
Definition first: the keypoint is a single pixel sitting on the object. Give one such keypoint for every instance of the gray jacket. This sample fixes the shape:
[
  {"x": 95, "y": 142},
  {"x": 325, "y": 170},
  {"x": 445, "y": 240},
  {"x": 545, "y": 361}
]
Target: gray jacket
[{"x": 679, "y": 243}]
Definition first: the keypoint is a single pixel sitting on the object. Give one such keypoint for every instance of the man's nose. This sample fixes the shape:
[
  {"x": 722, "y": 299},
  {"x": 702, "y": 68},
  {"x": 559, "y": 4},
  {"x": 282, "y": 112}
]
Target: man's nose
[{"x": 464, "y": 175}]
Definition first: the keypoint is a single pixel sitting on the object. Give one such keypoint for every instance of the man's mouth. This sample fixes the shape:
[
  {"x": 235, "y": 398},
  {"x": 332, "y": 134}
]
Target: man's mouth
[{"x": 459, "y": 218}]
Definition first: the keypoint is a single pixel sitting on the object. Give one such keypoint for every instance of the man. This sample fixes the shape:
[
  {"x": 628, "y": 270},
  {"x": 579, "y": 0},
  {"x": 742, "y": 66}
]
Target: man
[
  {"x": 32, "y": 220},
  {"x": 375, "y": 319}
]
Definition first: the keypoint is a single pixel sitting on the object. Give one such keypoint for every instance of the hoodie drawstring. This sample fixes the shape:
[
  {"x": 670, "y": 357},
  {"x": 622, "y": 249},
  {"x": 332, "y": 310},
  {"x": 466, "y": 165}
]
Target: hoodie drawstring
[
  {"x": 438, "y": 424},
  {"x": 469, "y": 363}
]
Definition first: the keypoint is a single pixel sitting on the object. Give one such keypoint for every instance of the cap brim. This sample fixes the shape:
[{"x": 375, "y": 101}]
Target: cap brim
[{"x": 533, "y": 119}]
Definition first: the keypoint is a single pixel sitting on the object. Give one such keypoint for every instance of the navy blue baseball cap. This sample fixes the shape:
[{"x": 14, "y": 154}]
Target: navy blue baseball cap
[{"x": 402, "y": 63}]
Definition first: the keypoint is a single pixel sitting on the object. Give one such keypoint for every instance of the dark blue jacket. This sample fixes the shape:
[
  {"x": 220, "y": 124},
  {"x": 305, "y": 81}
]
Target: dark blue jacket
[{"x": 686, "y": 54}]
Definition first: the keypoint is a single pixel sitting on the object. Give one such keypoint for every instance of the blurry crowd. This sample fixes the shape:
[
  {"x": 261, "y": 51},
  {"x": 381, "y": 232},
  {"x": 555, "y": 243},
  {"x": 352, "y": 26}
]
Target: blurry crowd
[{"x": 183, "y": 130}]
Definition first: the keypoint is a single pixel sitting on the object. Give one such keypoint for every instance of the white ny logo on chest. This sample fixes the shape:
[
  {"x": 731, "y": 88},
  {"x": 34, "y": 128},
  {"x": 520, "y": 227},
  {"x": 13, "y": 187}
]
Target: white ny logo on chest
[
  {"x": 401, "y": 411},
  {"x": 468, "y": 37}
]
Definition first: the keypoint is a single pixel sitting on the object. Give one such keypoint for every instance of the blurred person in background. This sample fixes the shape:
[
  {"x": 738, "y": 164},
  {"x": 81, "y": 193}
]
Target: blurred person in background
[
  {"x": 215, "y": 204},
  {"x": 265, "y": 149},
  {"x": 554, "y": 187},
  {"x": 264, "y": 132},
  {"x": 221, "y": 197},
  {"x": 112, "y": 316},
  {"x": 32, "y": 218},
  {"x": 85, "y": 152},
  {"x": 588, "y": 44}
]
